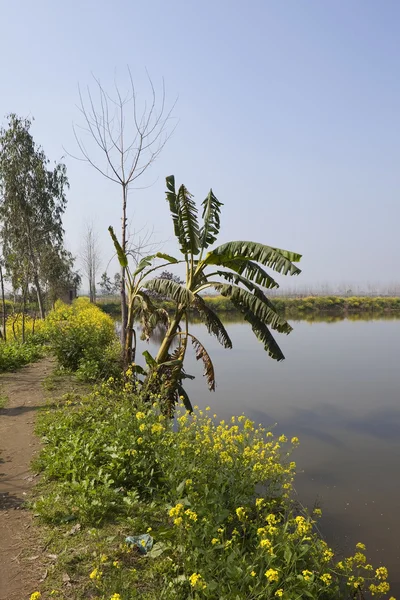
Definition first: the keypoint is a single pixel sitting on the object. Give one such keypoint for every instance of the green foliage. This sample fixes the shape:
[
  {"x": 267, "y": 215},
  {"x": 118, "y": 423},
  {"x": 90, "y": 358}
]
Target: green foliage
[
  {"x": 216, "y": 496},
  {"x": 32, "y": 202},
  {"x": 14, "y": 354},
  {"x": 83, "y": 339}
]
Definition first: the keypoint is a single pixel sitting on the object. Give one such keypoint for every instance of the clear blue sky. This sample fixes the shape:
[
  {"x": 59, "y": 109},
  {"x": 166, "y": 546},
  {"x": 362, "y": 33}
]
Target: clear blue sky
[{"x": 289, "y": 110}]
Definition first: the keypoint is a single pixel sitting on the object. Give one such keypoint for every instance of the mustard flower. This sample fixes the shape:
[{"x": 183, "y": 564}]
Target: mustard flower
[
  {"x": 272, "y": 575},
  {"x": 35, "y": 596},
  {"x": 196, "y": 581},
  {"x": 307, "y": 575},
  {"x": 326, "y": 578},
  {"x": 279, "y": 593}
]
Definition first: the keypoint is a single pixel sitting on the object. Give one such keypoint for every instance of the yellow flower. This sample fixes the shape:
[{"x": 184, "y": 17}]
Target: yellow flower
[
  {"x": 196, "y": 581},
  {"x": 214, "y": 541},
  {"x": 116, "y": 562},
  {"x": 176, "y": 510},
  {"x": 139, "y": 440},
  {"x": 140, "y": 416},
  {"x": 157, "y": 428},
  {"x": 303, "y": 526},
  {"x": 103, "y": 558},
  {"x": 253, "y": 573},
  {"x": 382, "y": 588},
  {"x": 115, "y": 597},
  {"x": 282, "y": 439},
  {"x": 142, "y": 427},
  {"x": 272, "y": 575},
  {"x": 259, "y": 502},
  {"x": 360, "y": 546},
  {"x": 95, "y": 574},
  {"x": 295, "y": 440},
  {"x": 381, "y": 573},
  {"x": 241, "y": 513},
  {"x": 279, "y": 593},
  {"x": 317, "y": 512},
  {"x": 191, "y": 515},
  {"x": 178, "y": 521},
  {"x": 326, "y": 578},
  {"x": 307, "y": 575},
  {"x": 35, "y": 596}
]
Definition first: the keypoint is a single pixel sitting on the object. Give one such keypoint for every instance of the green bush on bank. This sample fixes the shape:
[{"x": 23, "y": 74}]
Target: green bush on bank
[
  {"x": 215, "y": 495},
  {"x": 14, "y": 354},
  {"x": 83, "y": 339}
]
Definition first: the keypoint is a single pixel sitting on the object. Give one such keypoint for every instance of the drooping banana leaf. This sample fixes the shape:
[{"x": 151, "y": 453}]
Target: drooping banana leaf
[
  {"x": 202, "y": 354},
  {"x": 212, "y": 322},
  {"x": 275, "y": 258},
  {"x": 245, "y": 300}
]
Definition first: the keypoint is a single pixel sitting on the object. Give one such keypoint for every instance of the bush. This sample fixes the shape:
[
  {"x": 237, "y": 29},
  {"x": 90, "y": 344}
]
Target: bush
[
  {"x": 14, "y": 354},
  {"x": 217, "y": 495},
  {"x": 83, "y": 339}
]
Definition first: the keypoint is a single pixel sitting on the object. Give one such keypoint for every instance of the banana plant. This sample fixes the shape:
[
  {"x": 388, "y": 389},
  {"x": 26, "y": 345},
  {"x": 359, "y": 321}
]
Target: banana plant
[
  {"x": 234, "y": 270},
  {"x": 140, "y": 306}
]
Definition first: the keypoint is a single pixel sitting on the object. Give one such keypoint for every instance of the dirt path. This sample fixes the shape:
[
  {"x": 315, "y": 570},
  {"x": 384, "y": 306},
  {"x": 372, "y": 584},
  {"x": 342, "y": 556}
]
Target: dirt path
[{"x": 18, "y": 574}]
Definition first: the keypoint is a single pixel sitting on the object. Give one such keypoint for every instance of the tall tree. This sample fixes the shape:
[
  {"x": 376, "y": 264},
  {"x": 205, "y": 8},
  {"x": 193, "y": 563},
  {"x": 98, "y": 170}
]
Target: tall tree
[
  {"x": 128, "y": 137},
  {"x": 32, "y": 202},
  {"x": 90, "y": 258}
]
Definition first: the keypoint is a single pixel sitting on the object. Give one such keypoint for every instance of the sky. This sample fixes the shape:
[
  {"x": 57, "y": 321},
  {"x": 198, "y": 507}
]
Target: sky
[{"x": 289, "y": 110}]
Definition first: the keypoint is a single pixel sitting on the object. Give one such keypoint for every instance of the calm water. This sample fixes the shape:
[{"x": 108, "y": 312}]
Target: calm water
[{"x": 339, "y": 391}]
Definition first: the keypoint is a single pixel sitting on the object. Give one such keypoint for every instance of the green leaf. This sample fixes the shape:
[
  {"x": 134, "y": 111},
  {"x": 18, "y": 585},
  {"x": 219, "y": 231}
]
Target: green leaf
[
  {"x": 275, "y": 258},
  {"x": 147, "y": 261},
  {"x": 257, "y": 303},
  {"x": 202, "y": 354},
  {"x": 185, "y": 398},
  {"x": 123, "y": 260},
  {"x": 171, "y": 259},
  {"x": 259, "y": 328},
  {"x": 212, "y": 322},
  {"x": 211, "y": 216},
  {"x": 149, "y": 359},
  {"x": 249, "y": 269},
  {"x": 184, "y": 217},
  {"x": 138, "y": 369},
  {"x": 172, "y": 290}
]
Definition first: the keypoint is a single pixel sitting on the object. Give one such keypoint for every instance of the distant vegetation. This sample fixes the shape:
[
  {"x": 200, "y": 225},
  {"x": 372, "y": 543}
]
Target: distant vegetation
[{"x": 337, "y": 305}]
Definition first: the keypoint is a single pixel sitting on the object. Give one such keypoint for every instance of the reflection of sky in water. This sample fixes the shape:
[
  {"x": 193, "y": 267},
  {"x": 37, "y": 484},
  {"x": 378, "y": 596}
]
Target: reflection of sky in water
[{"x": 339, "y": 392}]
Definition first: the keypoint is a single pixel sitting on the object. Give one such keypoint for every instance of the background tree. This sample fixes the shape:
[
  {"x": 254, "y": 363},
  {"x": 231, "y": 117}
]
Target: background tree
[
  {"x": 90, "y": 259},
  {"x": 32, "y": 202},
  {"x": 127, "y": 139},
  {"x": 108, "y": 286}
]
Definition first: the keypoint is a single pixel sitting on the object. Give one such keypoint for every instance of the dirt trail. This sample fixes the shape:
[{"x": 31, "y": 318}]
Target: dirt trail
[{"x": 19, "y": 573}]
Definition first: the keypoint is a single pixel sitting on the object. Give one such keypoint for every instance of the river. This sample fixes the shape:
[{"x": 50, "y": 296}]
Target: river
[{"x": 339, "y": 391}]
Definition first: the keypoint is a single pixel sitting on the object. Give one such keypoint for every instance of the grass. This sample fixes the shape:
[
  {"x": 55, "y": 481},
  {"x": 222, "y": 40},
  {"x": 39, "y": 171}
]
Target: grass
[
  {"x": 214, "y": 496},
  {"x": 3, "y": 400}
]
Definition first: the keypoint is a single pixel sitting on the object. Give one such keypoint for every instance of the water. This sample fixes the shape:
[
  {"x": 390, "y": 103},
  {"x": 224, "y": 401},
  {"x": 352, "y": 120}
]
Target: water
[{"x": 339, "y": 391}]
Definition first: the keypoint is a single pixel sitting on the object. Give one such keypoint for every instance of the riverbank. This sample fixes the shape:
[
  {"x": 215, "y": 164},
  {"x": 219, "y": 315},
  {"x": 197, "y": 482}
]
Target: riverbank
[{"x": 292, "y": 307}]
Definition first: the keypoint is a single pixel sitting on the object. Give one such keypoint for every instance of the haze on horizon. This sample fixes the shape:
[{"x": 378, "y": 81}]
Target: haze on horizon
[{"x": 289, "y": 111}]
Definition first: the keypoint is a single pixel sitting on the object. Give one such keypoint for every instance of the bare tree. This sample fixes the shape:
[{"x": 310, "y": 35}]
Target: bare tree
[
  {"x": 90, "y": 258},
  {"x": 127, "y": 139}
]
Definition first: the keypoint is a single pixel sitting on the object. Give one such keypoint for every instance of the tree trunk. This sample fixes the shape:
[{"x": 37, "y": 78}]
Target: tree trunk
[
  {"x": 124, "y": 308},
  {"x": 3, "y": 301},
  {"x": 129, "y": 337},
  {"x": 23, "y": 313},
  {"x": 39, "y": 297},
  {"x": 165, "y": 346}
]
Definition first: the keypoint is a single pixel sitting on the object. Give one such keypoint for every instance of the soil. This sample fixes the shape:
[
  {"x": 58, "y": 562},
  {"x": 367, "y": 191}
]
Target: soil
[{"x": 20, "y": 564}]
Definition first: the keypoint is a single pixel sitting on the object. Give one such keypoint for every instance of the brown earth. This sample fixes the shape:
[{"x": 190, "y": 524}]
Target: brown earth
[{"x": 20, "y": 551}]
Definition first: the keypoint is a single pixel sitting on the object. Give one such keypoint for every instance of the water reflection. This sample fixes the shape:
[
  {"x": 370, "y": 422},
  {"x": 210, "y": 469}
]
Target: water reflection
[{"x": 338, "y": 391}]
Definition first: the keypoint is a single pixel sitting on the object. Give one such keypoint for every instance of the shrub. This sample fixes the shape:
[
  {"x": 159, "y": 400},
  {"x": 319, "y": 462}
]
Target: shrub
[
  {"x": 82, "y": 337},
  {"x": 14, "y": 354},
  {"x": 219, "y": 495}
]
